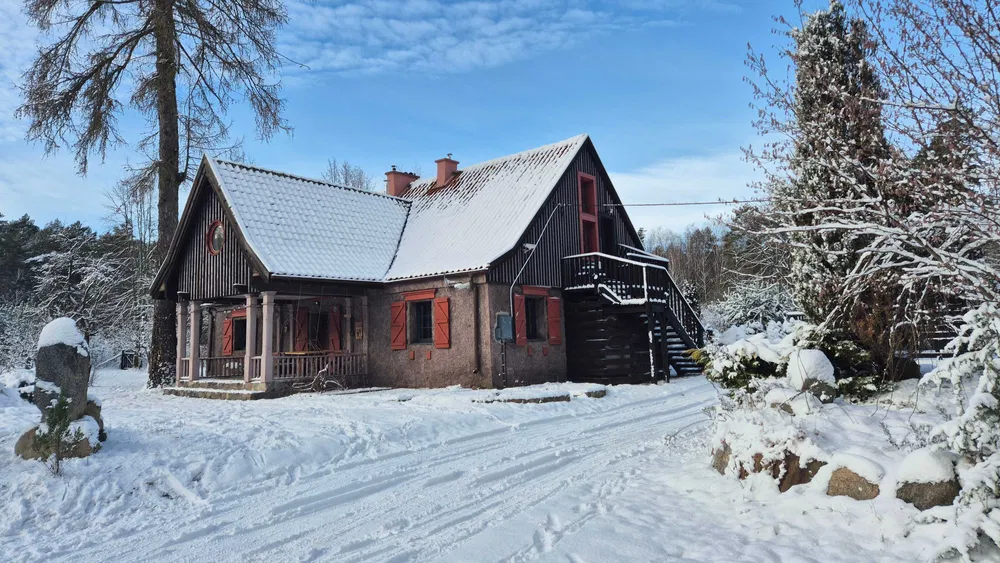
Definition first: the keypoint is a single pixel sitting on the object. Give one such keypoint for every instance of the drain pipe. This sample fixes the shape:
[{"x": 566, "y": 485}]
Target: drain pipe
[{"x": 510, "y": 295}]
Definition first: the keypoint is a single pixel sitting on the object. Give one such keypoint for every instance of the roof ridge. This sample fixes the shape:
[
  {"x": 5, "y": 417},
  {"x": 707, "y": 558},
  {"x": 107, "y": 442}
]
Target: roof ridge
[
  {"x": 568, "y": 141},
  {"x": 303, "y": 178}
]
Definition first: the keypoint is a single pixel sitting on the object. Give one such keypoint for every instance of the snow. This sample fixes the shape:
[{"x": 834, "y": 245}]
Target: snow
[
  {"x": 88, "y": 427},
  {"x": 47, "y": 386},
  {"x": 481, "y": 214},
  {"x": 429, "y": 475},
  {"x": 63, "y": 331},
  {"x": 926, "y": 465},
  {"x": 319, "y": 229},
  {"x": 806, "y": 365},
  {"x": 865, "y": 468}
]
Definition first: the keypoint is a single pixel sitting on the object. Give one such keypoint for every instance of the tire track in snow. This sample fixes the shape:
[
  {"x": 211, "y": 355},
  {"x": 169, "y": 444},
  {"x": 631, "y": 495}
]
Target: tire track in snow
[{"x": 422, "y": 503}]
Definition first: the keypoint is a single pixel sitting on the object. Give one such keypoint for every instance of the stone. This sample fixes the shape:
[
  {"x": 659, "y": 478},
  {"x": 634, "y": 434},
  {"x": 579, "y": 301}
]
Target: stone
[
  {"x": 795, "y": 474},
  {"x": 847, "y": 483},
  {"x": 822, "y": 390},
  {"x": 62, "y": 364},
  {"x": 928, "y": 495},
  {"x": 93, "y": 410},
  {"x": 720, "y": 458},
  {"x": 26, "y": 447}
]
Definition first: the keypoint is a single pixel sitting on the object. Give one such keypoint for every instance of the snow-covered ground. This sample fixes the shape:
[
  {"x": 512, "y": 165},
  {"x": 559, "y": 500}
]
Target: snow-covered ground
[{"x": 418, "y": 475}]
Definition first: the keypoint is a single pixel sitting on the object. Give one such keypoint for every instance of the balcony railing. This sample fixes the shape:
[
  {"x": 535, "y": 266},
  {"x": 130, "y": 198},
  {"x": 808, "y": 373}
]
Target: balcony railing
[{"x": 630, "y": 282}]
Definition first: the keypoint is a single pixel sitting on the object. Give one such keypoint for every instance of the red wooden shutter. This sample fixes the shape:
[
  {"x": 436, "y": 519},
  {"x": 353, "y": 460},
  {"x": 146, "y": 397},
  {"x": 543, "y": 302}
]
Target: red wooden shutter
[
  {"x": 301, "y": 329},
  {"x": 227, "y": 337},
  {"x": 520, "y": 321},
  {"x": 555, "y": 320},
  {"x": 398, "y": 325},
  {"x": 335, "y": 322},
  {"x": 442, "y": 323}
]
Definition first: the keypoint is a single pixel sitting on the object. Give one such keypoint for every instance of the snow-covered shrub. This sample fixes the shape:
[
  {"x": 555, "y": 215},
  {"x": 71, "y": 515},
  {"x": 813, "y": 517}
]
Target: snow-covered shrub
[
  {"x": 741, "y": 364},
  {"x": 754, "y": 301},
  {"x": 973, "y": 434},
  {"x": 58, "y": 436}
]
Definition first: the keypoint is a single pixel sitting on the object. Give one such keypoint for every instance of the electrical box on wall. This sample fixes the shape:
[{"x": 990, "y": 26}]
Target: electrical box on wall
[{"x": 504, "y": 329}]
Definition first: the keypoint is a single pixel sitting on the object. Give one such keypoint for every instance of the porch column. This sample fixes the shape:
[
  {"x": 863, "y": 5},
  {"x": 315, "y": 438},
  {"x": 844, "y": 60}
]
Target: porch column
[
  {"x": 251, "y": 348},
  {"x": 180, "y": 370},
  {"x": 267, "y": 338},
  {"x": 194, "y": 358}
]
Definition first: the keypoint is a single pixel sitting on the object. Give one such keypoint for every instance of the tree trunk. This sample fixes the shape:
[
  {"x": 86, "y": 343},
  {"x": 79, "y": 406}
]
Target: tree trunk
[{"x": 162, "y": 349}]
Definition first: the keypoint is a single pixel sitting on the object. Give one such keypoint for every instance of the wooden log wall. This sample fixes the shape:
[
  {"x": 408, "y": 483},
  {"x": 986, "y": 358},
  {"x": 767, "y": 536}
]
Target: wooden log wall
[{"x": 604, "y": 344}]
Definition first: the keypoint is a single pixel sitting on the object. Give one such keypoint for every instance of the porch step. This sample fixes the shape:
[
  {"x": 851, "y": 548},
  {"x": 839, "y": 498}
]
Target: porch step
[
  {"x": 223, "y": 394},
  {"x": 234, "y": 384}
]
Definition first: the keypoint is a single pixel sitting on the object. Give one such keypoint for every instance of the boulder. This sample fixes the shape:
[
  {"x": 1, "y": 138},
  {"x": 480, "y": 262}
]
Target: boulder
[
  {"x": 720, "y": 458},
  {"x": 794, "y": 473},
  {"x": 62, "y": 365},
  {"x": 93, "y": 410},
  {"x": 812, "y": 371},
  {"x": 847, "y": 483},
  {"x": 926, "y": 478},
  {"x": 26, "y": 447},
  {"x": 928, "y": 495}
]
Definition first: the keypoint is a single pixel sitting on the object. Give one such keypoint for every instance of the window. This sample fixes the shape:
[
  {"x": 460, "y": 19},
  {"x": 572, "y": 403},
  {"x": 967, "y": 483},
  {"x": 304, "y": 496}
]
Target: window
[
  {"x": 421, "y": 322},
  {"x": 587, "y": 187},
  {"x": 240, "y": 334},
  {"x": 534, "y": 317},
  {"x": 215, "y": 237}
]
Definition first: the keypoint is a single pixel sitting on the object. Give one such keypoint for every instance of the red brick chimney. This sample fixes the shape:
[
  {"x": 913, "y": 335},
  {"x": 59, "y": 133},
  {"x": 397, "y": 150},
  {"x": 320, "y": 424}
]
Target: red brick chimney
[
  {"x": 397, "y": 182},
  {"x": 447, "y": 167}
]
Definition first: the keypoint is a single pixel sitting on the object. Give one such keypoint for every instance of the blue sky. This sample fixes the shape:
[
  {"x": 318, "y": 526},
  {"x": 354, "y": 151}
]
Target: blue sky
[{"x": 658, "y": 84}]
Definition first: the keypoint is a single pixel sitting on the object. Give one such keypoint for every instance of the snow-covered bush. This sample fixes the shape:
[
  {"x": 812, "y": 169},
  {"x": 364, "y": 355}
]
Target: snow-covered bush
[
  {"x": 973, "y": 434},
  {"x": 754, "y": 301}
]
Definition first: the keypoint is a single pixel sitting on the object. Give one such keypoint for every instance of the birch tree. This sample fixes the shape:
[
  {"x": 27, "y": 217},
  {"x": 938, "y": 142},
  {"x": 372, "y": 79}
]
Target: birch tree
[{"x": 178, "y": 63}]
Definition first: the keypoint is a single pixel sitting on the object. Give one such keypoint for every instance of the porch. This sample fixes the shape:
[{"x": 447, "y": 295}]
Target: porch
[{"x": 260, "y": 355}]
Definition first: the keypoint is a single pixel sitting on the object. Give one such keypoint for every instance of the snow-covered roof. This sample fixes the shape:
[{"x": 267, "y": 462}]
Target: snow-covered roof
[
  {"x": 306, "y": 228},
  {"x": 480, "y": 214}
]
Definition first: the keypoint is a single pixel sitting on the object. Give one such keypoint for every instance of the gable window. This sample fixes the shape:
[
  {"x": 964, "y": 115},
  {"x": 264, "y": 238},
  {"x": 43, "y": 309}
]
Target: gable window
[
  {"x": 215, "y": 237},
  {"x": 421, "y": 322},
  {"x": 587, "y": 188},
  {"x": 534, "y": 317}
]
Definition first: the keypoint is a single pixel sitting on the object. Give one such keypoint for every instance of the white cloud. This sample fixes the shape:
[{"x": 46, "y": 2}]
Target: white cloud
[
  {"x": 17, "y": 39},
  {"x": 721, "y": 176},
  {"x": 372, "y": 36}
]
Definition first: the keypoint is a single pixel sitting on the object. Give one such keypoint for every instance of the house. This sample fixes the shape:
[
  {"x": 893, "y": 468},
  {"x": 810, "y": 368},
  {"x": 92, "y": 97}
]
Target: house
[{"x": 278, "y": 277}]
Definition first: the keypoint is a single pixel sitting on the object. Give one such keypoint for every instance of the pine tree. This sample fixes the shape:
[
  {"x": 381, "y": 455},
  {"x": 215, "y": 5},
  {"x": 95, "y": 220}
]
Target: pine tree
[{"x": 839, "y": 147}]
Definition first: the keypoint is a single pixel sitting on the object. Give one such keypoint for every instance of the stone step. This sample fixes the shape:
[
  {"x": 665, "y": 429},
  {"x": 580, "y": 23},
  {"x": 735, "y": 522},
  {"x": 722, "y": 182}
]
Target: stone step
[
  {"x": 222, "y": 394},
  {"x": 223, "y": 384}
]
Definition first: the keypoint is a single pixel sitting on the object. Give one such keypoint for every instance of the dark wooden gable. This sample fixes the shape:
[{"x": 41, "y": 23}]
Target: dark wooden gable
[
  {"x": 562, "y": 237},
  {"x": 200, "y": 273}
]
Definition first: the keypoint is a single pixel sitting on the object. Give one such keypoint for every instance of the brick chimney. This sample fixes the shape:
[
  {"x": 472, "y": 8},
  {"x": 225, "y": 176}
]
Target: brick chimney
[
  {"x": 397, "y": 181},
  {"x": 447, "y": 167}
]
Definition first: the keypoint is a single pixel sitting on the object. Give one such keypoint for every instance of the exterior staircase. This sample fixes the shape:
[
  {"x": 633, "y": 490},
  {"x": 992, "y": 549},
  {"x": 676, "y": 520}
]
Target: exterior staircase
[{"x": 614, "y": 289}]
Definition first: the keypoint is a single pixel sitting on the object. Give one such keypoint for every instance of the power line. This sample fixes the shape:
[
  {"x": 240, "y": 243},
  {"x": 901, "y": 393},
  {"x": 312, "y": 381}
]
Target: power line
[{"x": 680, "y": 203}]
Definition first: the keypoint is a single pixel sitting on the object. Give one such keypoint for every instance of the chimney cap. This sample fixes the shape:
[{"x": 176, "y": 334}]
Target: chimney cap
[{"x": 447, "y": 158}]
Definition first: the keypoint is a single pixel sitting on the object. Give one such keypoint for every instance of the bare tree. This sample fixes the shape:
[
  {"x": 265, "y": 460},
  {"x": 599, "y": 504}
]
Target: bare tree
[
  {"x": 347, "y": 174},
  {"x": 179, "y": 63}
]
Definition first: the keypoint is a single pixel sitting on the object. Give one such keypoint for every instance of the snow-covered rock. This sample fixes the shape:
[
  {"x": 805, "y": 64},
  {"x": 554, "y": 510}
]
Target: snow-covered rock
[
  {"x": 926, "y": 478},
  {"x": 63, "y": 331},
  {"x": 926, "y": 465},
  {"x": 805, "y": 365}
]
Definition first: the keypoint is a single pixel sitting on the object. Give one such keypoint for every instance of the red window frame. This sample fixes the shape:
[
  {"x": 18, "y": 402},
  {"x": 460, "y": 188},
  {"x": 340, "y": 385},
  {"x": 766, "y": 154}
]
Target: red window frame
[
  {"x": 589, "y": 233},
  {"x": 208, "y": 237}
]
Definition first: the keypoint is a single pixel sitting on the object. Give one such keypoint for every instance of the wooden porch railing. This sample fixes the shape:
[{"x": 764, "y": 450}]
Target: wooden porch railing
[
  {"x": 630, "y": 282},
  {"x": 350, "y": 368},
  {"x": 224, "y": 367},
  {"x": 255, "y": 368},
  {"x": 185, "y": 373}
]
